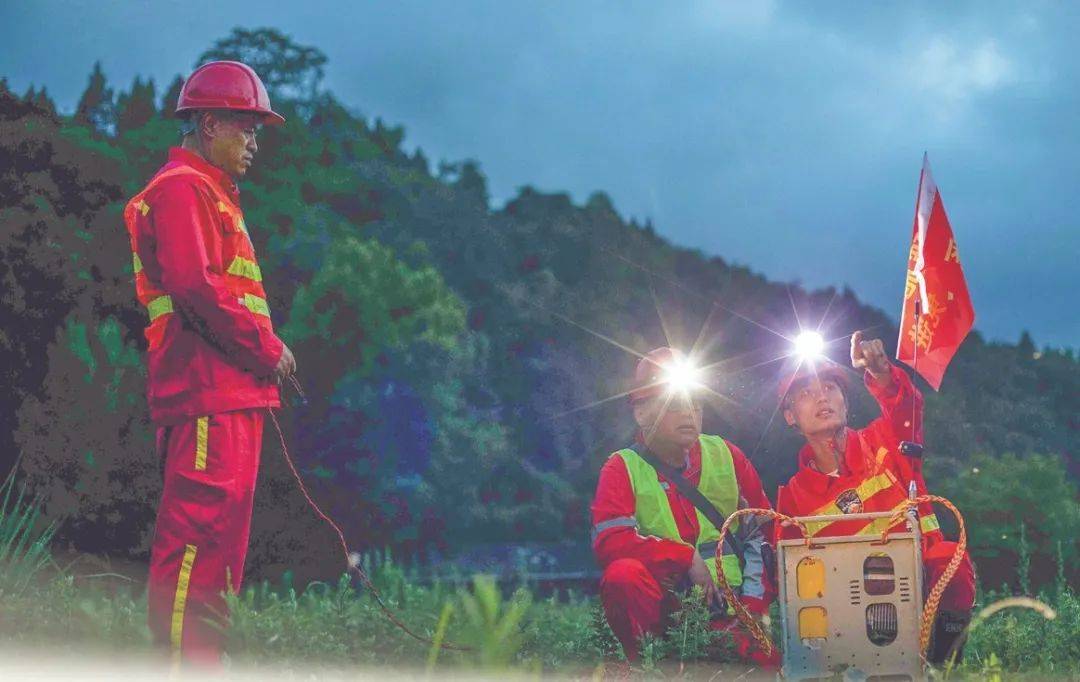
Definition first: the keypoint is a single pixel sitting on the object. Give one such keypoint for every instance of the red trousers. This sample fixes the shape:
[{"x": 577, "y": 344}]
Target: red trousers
[
  {"x": 201, "y": 537},
  {"x": 635, "y": 604},
  {"x": 959, "y": 594}
]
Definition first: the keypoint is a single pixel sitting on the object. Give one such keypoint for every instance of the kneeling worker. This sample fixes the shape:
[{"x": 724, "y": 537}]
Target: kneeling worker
[
  {"x": 845, "y": 471},
  {"x": 650, "y": 539}
]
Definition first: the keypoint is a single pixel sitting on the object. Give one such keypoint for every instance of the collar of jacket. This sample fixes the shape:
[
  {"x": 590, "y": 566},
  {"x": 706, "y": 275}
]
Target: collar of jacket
[
  {"x": 854, "y": 461},
  {"x": 693, "y": 454},
  {"x": 179, "y": 155}
]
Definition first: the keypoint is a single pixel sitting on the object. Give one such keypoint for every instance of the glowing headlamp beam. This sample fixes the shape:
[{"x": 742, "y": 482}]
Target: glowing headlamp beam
[
  {"x": 682, "y": 377},
  {"x": 809, "y": 345}
]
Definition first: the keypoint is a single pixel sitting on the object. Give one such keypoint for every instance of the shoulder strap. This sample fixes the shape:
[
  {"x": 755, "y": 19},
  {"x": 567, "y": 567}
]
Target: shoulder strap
[{"x": 688, "y": 489}]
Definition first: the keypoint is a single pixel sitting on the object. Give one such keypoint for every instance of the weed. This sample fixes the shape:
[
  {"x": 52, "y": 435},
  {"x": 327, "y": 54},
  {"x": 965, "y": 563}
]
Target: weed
[{"x": 24, "y": 544}]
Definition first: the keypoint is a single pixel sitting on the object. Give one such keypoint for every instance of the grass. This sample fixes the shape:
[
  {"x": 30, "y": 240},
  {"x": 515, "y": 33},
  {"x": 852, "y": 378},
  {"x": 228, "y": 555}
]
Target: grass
[
  {"x": 278, "y": 628},
  {"x": 24, "y": 544}
]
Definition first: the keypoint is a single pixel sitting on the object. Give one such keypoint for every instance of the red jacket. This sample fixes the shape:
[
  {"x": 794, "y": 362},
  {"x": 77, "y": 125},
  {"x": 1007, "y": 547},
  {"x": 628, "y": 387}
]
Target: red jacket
[
  {"x": 212, "y": 347},
  {"x": 667, "y": 560},
  {"x": 874, "y": 448}
]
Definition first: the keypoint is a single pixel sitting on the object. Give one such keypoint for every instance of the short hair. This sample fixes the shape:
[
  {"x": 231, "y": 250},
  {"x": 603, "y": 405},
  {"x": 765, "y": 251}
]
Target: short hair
[
  {"x": 190, "y": 120},
  {"x": 801, "y": 381}
]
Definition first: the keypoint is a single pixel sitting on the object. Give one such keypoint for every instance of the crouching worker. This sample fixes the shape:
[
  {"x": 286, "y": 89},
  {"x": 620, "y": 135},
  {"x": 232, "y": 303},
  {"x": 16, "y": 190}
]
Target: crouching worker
[
  {"x": 844, "y": 471},
  {"x": 652, "y": 542}
]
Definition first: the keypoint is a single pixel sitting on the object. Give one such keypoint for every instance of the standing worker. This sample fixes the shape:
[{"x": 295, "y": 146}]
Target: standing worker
[
  {"x": 651, "y": 540},
  {"x": 214, "y": 361},
  {"x": 843, "y": 471}
]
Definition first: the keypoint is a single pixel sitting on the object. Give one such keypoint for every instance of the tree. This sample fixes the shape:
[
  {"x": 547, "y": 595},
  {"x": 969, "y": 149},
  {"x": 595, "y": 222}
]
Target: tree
[
  {"x": 997, "y": 495},
  {"x": 55, "y": 199},
  {"x": 96, "y": 108},
  {"x": 287, "y": 69},
  {"x": 171, "y": 97},
  {"x": 136, "y": 108},
  {"x": 93, "y": 467}
]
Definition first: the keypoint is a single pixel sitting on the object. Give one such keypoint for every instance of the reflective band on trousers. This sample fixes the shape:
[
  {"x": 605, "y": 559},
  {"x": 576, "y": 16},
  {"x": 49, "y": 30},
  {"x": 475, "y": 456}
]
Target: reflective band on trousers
[
  {"x": 248, "y": 269},
  {"x": 617, "y": 522},
  {"x": 255, "y": 304},
  {"x": 159, "y": 306},
  {"x": 202, "y": 436},
  {"x": 176, "y": 634}
]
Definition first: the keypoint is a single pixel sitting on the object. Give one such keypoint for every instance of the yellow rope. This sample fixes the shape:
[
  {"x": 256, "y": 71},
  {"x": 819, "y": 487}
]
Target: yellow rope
[{"x": 934, "y": 598}]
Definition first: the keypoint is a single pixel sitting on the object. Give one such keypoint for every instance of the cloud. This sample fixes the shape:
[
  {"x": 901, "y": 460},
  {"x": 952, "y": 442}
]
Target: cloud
[{"x": 947, "y": 70}]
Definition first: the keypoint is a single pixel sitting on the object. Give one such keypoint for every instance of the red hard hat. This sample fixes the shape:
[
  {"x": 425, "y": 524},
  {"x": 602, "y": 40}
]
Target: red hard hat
[
  {"x": 227, "y": 85},
  {"x": 649, "y": 374},
  {"x": 809, "y": 370}
]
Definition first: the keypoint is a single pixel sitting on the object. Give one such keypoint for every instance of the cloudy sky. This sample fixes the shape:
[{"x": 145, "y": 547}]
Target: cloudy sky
[{"x": 783, "y": 136}]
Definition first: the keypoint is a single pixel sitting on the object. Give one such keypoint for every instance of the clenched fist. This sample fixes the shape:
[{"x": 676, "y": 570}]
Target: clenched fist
[{"x": 869, "y": 355}]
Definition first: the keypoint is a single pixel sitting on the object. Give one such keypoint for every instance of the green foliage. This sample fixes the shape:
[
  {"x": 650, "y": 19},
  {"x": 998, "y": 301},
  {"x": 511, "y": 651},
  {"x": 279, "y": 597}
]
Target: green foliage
[
  {"x": 1015, "y": 506},
  {"x": 363, "y": 300},
  {"x": 493, "y": 626},
  {"x": 137, "y": 107},
  {"x": 1023, "y": 640},
  {"x": 24, "y": 543},
  {"x": 95, "y": 470},
  {"x": 97, "y": 108},
  {"x": 334, "y": 626},
  {"x": 460, "y": 358}
]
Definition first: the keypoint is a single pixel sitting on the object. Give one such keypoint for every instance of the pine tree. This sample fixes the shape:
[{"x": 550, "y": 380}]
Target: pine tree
[
  {"x": 169, "y": 99},
  {"x": 96, "y": 108},
  {"x": 45, "y": 104},
  {"x": 136, "y": 108}
]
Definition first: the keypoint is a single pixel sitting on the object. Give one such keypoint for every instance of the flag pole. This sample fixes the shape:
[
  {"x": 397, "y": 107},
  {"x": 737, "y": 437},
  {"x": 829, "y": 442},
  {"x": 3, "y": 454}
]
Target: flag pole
[
  {"x": 915, "y": 362},
  {"x": 911, "y": 448}
]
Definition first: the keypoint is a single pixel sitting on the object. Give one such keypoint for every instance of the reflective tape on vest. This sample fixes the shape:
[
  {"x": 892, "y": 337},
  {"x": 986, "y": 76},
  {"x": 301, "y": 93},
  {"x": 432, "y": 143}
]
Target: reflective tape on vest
[
  {"x": 617, "y": 522},
  {"x": 162, "y": 305},
  {"x": 136, "y": 263},
  {"x": 256, "y": 304},
  {"x": 929, "y": 523},
  {"x": 248, "y": 269}
]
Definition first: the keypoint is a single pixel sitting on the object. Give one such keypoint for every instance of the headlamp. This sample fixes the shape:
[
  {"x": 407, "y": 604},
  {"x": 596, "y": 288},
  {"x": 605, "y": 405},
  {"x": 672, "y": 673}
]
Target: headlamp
[
  {"x": 809, "y": 345},
  {"x": 681, "y": 377}
]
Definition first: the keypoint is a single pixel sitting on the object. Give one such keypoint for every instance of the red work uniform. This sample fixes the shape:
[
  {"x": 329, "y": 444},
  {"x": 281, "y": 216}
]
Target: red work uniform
[
  {"x": 211, "y": 356},
  {"x": 640, "y": 573},
  {"x": 875, "y": 477}
]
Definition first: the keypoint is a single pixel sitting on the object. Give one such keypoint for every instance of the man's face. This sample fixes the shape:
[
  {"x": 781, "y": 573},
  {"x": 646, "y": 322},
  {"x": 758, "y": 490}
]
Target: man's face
[
  {"x": 816, "y": 405},
  {"x": 677, "y": 424},
  {"x": 230, "y": 141}
]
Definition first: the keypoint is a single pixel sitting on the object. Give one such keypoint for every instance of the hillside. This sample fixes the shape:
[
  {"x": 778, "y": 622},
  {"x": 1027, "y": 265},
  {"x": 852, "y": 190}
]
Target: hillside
[{"x": 460, "y": 359}]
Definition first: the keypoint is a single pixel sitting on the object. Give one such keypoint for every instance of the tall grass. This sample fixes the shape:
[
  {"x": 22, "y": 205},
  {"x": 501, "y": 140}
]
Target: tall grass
[
  {"x": 24, "y": 540},
  {"x": 280, "y": 629}
]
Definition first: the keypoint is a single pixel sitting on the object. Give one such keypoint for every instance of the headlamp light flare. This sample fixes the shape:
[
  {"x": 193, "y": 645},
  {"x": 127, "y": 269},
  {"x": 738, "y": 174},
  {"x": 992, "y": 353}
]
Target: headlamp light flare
[
  {"x": 682, "y": 377},
  {"x": 809, "y": 345}
]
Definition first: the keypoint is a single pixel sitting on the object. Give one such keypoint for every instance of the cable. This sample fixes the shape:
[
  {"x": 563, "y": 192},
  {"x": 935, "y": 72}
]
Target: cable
[{"x": 352, "y": 563}]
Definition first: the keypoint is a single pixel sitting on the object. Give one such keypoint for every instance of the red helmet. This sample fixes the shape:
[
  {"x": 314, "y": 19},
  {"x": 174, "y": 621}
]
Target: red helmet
[
  {"x": 227, "y": 85},
  {"x": 809, "y": 370},
  {"x": 649, "y": 374}
]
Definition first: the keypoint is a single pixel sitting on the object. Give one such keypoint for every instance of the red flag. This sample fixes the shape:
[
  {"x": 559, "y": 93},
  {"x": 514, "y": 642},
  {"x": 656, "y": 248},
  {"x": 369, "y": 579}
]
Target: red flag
[{"x": 935, "y": 287}]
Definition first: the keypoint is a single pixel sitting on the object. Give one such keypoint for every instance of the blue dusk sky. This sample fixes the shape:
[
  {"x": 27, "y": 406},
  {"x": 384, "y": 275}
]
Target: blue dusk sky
[{"x": 787, "y": 137}]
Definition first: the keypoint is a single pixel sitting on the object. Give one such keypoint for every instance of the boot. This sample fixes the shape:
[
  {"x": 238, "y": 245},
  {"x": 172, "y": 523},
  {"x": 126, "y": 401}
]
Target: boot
[{"x": 950, "y": 631}]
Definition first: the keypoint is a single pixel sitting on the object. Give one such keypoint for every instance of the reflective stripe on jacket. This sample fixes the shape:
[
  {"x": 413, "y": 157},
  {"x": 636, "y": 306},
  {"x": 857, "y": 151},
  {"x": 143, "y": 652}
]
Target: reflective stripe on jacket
[{"x": 211, "y": 344}]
